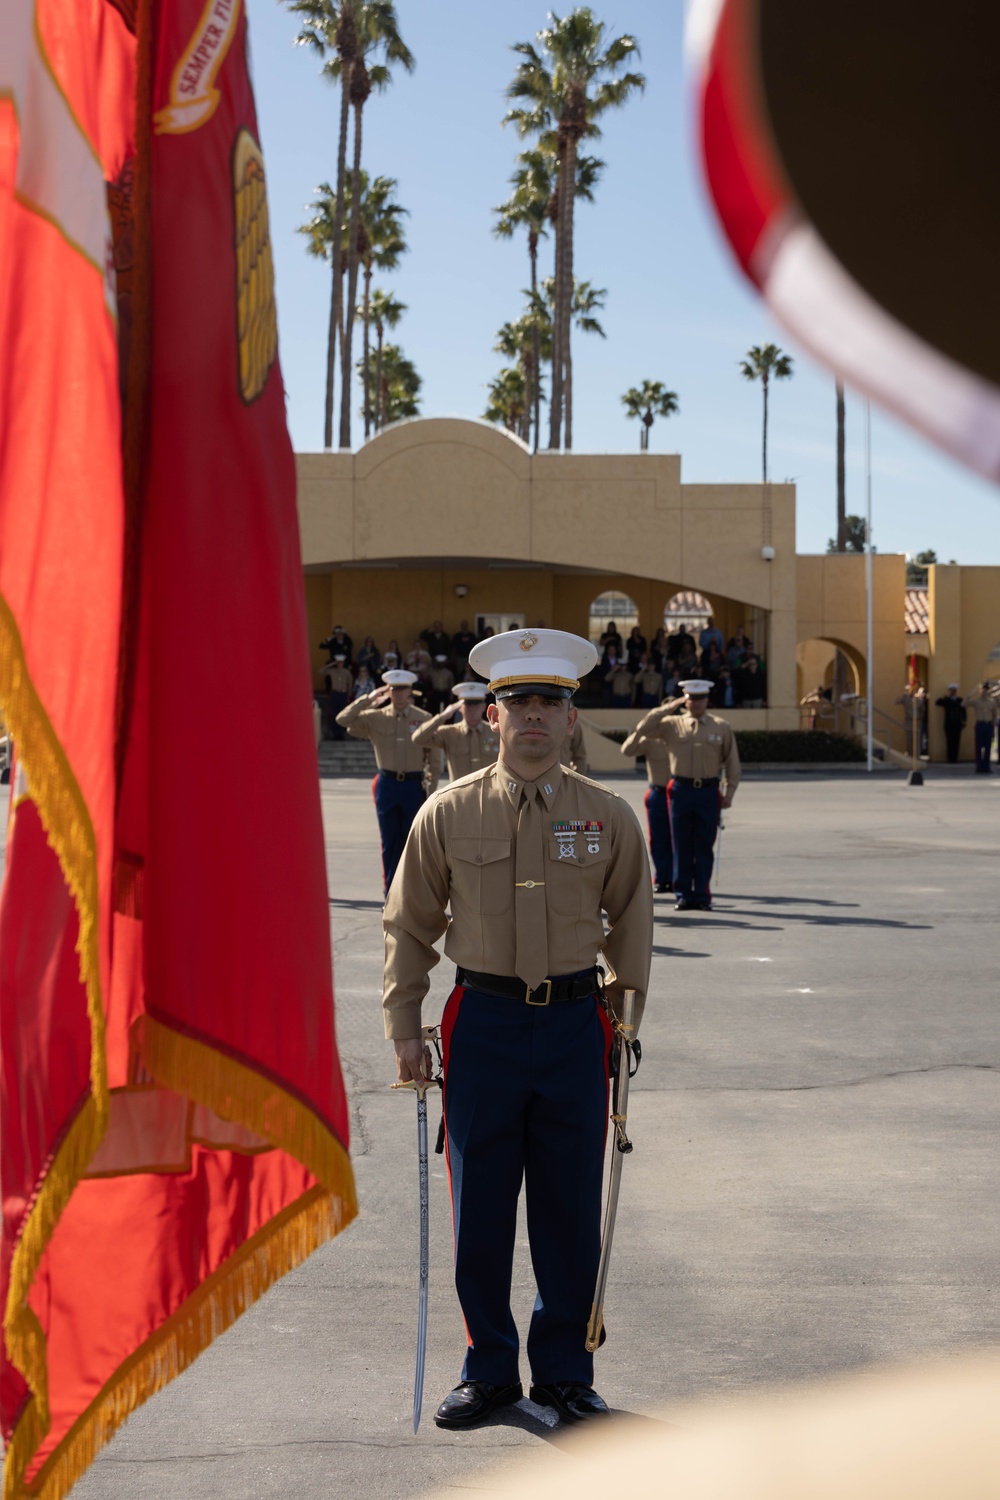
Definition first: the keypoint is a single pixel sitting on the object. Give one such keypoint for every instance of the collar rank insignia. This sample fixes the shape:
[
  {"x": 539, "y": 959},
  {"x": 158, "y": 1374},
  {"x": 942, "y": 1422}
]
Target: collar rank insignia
[{"x": 528, "y": 641}]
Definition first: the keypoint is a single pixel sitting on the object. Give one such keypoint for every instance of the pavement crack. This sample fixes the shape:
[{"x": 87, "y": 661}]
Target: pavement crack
[{"x": 839, "y": 1083}]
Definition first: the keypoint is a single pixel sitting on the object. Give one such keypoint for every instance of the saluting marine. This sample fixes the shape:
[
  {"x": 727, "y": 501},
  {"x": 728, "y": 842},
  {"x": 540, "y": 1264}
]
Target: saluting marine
[
  {"x": 661, "y": 847},
  {"x": 574, "y": 750},
  {"x": 702, "y": 749},
  {"x": 470, "y": 743},
  {"x": 388, "y": 718},
  {"x": 526, "y": 856}
]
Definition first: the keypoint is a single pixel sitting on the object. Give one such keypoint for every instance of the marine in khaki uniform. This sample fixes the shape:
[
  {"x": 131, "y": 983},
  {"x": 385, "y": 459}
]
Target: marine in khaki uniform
[
  {"x": 527, "y": 857},
  {"x": 702, "y": 752},
  {"x": 649, "y": 684},
  {"x": 470, "y": 743},
  {"x": 574, "y": 750},
  {"x": 340, "y": 686},
  {"x": 985, "y": 712},
  {"x": 388, "y": 718},
  {"x": 661, "y": 847}
]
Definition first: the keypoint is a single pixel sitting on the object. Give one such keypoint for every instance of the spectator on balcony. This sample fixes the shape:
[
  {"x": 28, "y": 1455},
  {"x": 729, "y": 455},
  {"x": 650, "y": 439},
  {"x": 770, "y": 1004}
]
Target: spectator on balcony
[
  {"x": 648, "y": 682},
  {"x": 751, "y": 684},
  {"x": 437, "y": 640},
  {"x": 712, "y": 661},
  {"x": 418, "y": 660},
  {"x": 611, "y": 640},
  {"x": 687, "y": 661},
  {"x": 738, "y": 649},
  {"x": 364, "y": 684},
  {"x": 338, "y": 643},
  {"x": 619, "y": 685},
  {"x": 711, "y": 635},
  {"x": 635, "y": 648},
  {"x": 658, "y": 650},
  {"x": 723, "y": 694},
  {"x": 671, "y": 681},
  {"x": 369, "y": 656},
  {"x": 462, "y": 643},
  {"x": 393, "y": 657},
  {"x": 442, "y": 680}
]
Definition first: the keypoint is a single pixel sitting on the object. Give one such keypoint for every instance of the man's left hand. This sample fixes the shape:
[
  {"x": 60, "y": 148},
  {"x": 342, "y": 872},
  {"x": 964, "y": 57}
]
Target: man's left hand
[{"x": 727, "y": 801}]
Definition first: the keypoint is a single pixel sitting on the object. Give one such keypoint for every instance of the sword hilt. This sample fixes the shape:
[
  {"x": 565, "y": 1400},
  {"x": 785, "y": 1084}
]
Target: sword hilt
[{"x": 420, "y": 1087}]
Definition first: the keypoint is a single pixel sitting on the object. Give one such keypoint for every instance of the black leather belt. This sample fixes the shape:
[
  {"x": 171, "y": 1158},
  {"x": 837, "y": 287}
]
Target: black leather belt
[
  {"x": 402, "y": 775},
  {"x": 697, "y": 780},
  {"x": 563, "y": 987}
]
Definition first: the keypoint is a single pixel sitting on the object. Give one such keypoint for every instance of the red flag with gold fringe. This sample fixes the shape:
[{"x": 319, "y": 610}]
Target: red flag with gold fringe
[{"x": 174, "y": 1122}]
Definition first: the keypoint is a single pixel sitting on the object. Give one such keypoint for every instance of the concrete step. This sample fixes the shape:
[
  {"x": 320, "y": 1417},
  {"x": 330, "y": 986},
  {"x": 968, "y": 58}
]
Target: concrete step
[{"x": 346, "y": 758}]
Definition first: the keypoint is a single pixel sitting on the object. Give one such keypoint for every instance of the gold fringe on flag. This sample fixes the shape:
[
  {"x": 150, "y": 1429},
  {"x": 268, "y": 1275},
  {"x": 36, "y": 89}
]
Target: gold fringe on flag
[
  {"x": 236, "y": 1092},
  {"x": 282, "y": 1244},
  {"x": 70, "y": 832}
]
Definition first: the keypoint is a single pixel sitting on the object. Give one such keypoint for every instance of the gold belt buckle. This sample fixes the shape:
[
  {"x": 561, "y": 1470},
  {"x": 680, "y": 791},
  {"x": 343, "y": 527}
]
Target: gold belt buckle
[
  {"x": 528, "y": 992},
  {"x": 697, "y": 781}
]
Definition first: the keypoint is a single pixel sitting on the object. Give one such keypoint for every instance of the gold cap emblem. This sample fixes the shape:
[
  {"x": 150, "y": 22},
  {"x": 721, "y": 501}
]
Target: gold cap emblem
[{"x": 528, "y": 640}]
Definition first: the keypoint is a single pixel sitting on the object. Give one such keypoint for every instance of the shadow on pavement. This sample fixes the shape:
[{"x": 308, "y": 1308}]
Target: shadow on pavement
[
  {"x": 357, "y": 905},
  {"x": 542, "y": 1422},
  {"x": 678, "y": 953},
  {"x": 790, "y": 900},
  {"x": 820, "y": 919},
  {"x": 678, "y": 919}
]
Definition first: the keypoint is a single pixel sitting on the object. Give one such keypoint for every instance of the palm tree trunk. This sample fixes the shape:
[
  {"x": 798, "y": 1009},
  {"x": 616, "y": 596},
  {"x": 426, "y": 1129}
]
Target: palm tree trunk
[
  {"x": 567, "y": 293},
  {"x": 338, "y": 217},
  {"x": 555, "y": 394},
  {"x": 536, "y": 340},
  {"x": 365, "y": 357},
  {"x": 841, "y": 486},
  {"x": 764, "y": 383},
  {"x": 378, "y": 377},
  {"x": 352, "y": 288}
]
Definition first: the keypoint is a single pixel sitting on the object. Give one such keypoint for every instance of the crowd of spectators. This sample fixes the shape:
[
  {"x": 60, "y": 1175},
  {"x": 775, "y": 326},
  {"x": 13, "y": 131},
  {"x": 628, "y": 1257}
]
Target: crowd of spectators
[
  {"x": 438, "y": 659},
  {"x": 632, "y": 673},
  {"x": 636, "y": 673}
]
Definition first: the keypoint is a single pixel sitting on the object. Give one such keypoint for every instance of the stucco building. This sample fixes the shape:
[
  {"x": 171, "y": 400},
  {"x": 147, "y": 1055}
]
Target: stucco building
[{"x": 455, "y": 520}]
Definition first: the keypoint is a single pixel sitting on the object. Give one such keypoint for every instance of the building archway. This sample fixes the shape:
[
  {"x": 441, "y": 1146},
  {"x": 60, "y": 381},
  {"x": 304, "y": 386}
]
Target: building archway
[
  {"x": 687, "y": 610},
  {"x": 612, "y": 608}
]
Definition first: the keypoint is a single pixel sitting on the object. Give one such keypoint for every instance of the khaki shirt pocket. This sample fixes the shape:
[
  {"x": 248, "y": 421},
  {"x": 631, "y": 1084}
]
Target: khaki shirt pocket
[
  {"x": 577, "y": 877},
  {"x": 482, "y": 873}
]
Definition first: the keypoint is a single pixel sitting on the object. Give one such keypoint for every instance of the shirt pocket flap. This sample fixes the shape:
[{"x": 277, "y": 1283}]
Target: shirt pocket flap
[{"x": 480, "y": 850}]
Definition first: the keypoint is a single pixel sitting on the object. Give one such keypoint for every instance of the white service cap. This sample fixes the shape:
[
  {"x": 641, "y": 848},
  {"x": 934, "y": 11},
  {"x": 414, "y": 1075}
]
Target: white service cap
[
  {"x": 399, "y": 677},
  {"x": 696, "y": 687},
  {"x": 475, "y": 692},
  {"x": 539, "y": 661}
]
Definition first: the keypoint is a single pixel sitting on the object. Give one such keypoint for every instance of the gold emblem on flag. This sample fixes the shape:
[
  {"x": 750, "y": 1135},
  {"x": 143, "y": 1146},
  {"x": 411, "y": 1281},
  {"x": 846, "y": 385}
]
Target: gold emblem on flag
[
  {"x": 528, "y": 640},
  {"x": 256, "y": 315}
]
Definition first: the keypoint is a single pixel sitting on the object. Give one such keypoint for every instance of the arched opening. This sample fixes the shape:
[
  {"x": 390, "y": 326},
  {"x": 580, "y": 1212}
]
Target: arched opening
[
  {"x": 612, "y": 611},
  {"x": 687, "y": 610}
]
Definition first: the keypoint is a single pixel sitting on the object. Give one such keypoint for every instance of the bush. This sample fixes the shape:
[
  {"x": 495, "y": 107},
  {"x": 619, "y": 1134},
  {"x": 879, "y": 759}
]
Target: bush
[{"x": 774, "y": 746}]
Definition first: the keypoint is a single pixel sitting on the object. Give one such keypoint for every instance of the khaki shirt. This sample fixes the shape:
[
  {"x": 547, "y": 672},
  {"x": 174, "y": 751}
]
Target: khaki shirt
[
  {"x": 390, "y": 733},
  {"x": 702, "y": 747},
  {"x": 574, "y": 750},
  {"x": 339, "y": 679},
  {"x": 650, "y": 682},
  {"x": 465, "y": 749},
  {"x": 461, "y": 853},
  {"x": 984, "y": 708},
  {"x": 657, "y": 756}
]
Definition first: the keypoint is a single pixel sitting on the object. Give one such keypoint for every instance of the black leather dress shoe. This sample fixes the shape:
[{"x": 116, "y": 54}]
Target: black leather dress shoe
[
  {"x": 663, "y": 887},
  {"x": 571, "y": 1399},
  {"x": 472, "y": 1402},
  {"x": 684, "y": 903}
]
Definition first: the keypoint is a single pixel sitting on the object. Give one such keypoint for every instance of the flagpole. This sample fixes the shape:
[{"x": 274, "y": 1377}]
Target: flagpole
[{"x": 868, "y": 573}]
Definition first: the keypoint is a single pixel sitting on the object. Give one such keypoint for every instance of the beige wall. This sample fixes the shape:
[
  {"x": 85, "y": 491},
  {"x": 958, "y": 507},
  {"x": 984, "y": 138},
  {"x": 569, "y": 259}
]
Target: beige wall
[
  {"x": 832, "y": 608},
  {"x": 964, "y": 608}
]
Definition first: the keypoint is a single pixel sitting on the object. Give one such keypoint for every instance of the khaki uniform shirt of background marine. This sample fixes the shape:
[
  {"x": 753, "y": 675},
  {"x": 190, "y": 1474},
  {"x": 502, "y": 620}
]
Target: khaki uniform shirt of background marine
[
  {"x": 650, "y": 681},
  {"x": 465, "y": 749},
  {"x": 984, "y": 708},
  {"x": 574, "y": 750},
  {"x": 390, "y": 733},
  {"x": 697, "y": 748},
  {"x": 339, "y": 679},
  {"x": 461, "y": 853}
]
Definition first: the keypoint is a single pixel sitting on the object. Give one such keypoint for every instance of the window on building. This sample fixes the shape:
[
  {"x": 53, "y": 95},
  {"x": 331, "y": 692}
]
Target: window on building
[{"x": 612, "y": 608}]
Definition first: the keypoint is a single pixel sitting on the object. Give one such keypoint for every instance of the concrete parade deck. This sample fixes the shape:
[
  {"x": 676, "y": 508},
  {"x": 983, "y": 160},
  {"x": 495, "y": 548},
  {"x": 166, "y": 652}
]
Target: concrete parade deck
[{"x": 815, "y": 1184}]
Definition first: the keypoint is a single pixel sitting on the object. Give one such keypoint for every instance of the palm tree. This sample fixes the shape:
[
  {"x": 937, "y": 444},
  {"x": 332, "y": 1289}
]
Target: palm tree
[
  {"x": 528, "y": 339},
  {"x": 385, "y": 313},
  {"x": 397, "y": 393},
  {"x": 344, "y": 33},
  {"x": 508, "y": 399},
  {"x": 648, "y": 401},
  {"x": 561, "y": 99},
  {"x": 766, "y": 363},
  {"x": 533, "y": 202}
]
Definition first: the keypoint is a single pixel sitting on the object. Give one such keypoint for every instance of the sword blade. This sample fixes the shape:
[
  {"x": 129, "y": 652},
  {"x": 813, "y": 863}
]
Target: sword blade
[
  {"x": 418, "y": 1379},
  {"x": 596, "y": 1323}
]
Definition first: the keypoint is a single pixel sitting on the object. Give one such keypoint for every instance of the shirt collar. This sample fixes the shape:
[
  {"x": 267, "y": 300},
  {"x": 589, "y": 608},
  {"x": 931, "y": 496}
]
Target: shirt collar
[{"x": 548, "y": 785}]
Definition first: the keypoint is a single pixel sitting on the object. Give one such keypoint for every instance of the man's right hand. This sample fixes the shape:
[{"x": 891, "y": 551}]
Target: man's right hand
[{"x": 413, "y": 1060}]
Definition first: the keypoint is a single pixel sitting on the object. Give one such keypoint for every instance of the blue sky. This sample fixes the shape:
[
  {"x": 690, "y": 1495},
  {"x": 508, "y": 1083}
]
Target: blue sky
[{"x": 677, "y": 308}]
